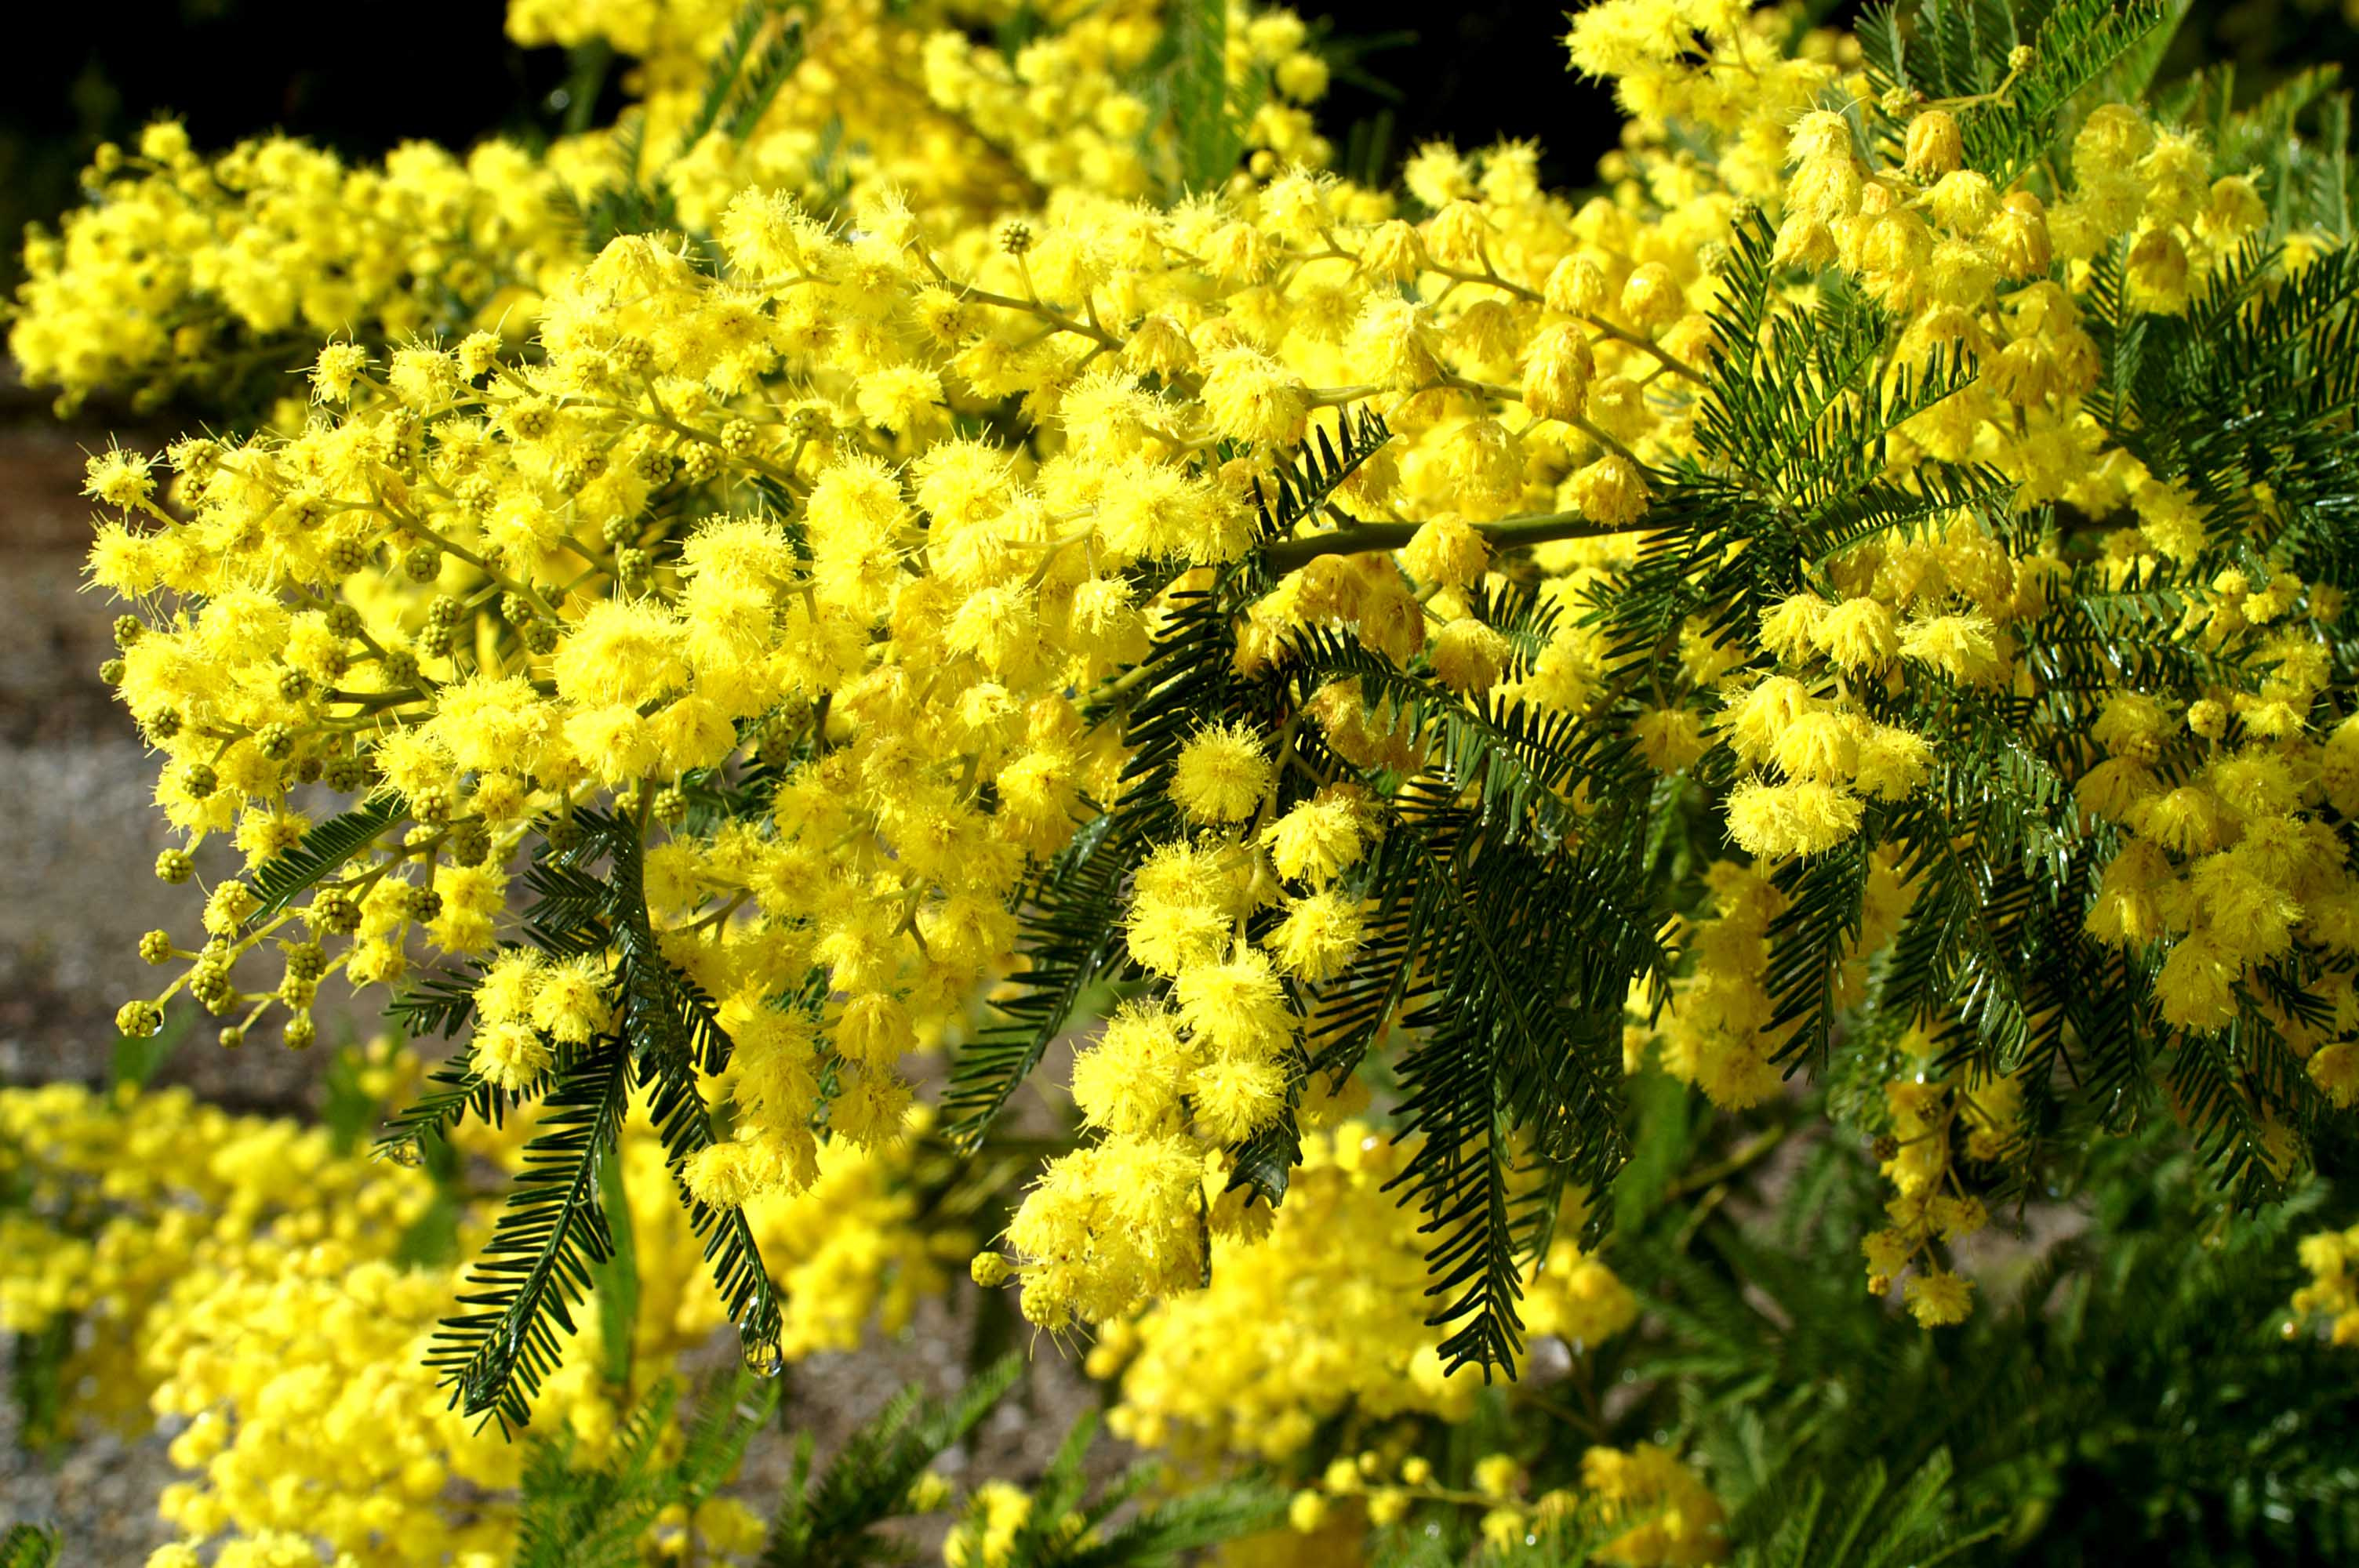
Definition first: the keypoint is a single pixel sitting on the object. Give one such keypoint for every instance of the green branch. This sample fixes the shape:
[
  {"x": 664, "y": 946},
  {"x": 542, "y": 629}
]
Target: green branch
[{"x": 1291, "y": 555}]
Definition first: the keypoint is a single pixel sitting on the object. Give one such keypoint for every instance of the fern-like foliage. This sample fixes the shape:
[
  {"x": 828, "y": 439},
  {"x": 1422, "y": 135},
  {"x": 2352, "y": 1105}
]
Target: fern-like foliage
[
  {"x": 2133, "y": 1380},
  {"x": 1793, "y": 435},
  {"x": 454, "y": 1091},
  {"x": 1070, "y": 935},
  {"x": 536, "y": 1269},
  {"x": 1573, "y": 1541},
  {"x": 1070, "y": 915},
  {"x": 853, "y": 1511},
  {"x": 1870, "y": 1522},
  {"x": 554, "y": 1232},
  {"x": 1502, "y": 935},
  {"x": 322, "y": 849},
  {"x": 571, "y": 1515},
  {"x": 1207, "y": 116},
  {"x": 1299, "y": 491},
  {"x": 1497, "y": 1055},
  {"x": 761, "y": 49},
  {"x": 2241, "y": 402},
  {"x": 1524, "y": 759},
  {"x": 29, "y": 1546},
  {"x": 1153, "y": 1536},
  {"x": 1959, "y": 49},
  {"x": 2298, "y": 134},
  {"x": 2250, "y": 389},
  {"x": 828, "y": 1519}
]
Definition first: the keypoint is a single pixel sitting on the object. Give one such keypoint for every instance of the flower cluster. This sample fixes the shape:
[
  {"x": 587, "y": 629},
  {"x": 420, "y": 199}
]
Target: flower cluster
[
  {"x": 262, "y": 1297},
  {"x": 119, "y": 1201},
  {"x": 1322, "y": 1316},
  {"x": 821, "y": 533},
  {"x": 911, "y": 97},
  {"x": 1936, "y": 1122},
  {"x": 2332, "y": 1259},
  {"x": 185, "y": 275},
  {"x": 910, "y": 543},
  {"x": 729, "y": 516},
  {"x": 850, "y": 1252},
  {"x": 304, "y": 1408},
  {"x": 1673, "y": 1519}
]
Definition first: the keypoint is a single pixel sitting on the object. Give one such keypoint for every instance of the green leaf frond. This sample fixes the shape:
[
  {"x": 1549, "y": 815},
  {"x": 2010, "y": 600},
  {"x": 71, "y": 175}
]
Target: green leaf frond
[
  {"x": 576, "y": 1515},
  {"x": 554, "y": 1233},
  {"x": 29, "y": 1546},
  {"x": 322, "y": 849},
  {"x": 536, "y": 1269},
  {"x": 1959, "y": 49},
  {"x": 1303, "y": 489}
]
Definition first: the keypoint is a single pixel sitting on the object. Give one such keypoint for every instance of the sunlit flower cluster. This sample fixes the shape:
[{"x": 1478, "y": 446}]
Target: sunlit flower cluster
[
  {"x": 1324, "y": 1315},
  {"x": 184, "y": 275},
  {"x": 1672, "y": 1517},
  {"x": 120, "y": 1201},
  {"x": 816, "y": 530}
]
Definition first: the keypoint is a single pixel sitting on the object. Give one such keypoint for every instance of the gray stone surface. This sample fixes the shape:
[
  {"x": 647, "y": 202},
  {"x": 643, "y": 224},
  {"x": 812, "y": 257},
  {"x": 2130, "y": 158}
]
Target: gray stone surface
[{"x": 78, "y": 834}]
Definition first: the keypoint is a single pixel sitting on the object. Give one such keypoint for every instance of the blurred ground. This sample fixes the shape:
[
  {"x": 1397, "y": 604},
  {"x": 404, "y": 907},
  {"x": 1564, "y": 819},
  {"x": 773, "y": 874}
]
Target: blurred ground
[
  {"x": 101, "y": 1491},
  {"x": 78, "y": 838}
]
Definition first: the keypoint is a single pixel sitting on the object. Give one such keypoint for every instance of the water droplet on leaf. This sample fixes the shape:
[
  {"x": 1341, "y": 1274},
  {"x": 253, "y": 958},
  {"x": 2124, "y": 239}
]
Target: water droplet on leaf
[{"x": 763, "y": 1358}]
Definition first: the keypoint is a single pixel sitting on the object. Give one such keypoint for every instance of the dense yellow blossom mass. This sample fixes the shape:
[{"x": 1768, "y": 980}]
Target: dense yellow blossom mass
[
  {"x": 1322, "y": 1314},
  {"x": 182, "y": 266},
  {"x": 899, "y": 547},
  {"x": 886, "y": 495}
]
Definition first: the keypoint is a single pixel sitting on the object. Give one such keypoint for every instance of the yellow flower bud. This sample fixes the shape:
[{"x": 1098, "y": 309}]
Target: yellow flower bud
[
  {"x": 1650, "y": 296},
  {"x": 1575, "y": 286},
  {"x": 1468, "y": 655},
  {"x": 2018, "y": 234},
  {"x": 1611, "y": 490},
  {"x": 1933, "y": 147},
  {"x": 1446, "y": 550},
  {"x": 1393, "y": 251},
  {"x": 1221, "y": 774}
]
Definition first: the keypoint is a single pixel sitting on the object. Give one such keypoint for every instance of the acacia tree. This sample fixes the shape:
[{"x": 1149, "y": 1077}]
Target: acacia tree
[{"x": 1858, "y": 602}]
